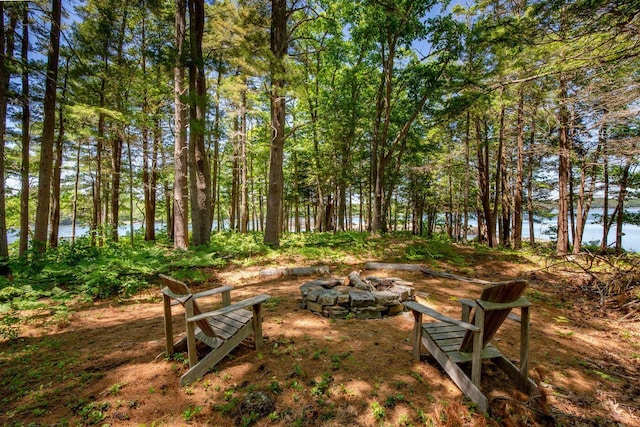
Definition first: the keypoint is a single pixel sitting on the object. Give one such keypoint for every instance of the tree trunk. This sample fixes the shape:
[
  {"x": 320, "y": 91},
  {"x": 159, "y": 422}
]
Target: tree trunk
[
  {"x": 620, "y": 208},
  {"x": 181, "y": 194},
  {"x": 96, "y": 230},
  {"x": 153, "y": 182},
  {"x": 585, "y": 196},
  {"x": 199, "y": 171},
  {"x": 484, "y": 186},
  {"x": 517, "y": 199},
  {"x": 48, "y": 132},
  {"x": 116, "y": 166},
  {"x": 6, "y": 52},
  {"x": 131, "y": 237},
  {"x": 279, "y": 44},
  {"x": 296, "y": 194},
  {"x": 149, "y": 209},
  {"x": 76, "y": 183},
  {"x": 605, "y": 208},
  {"x": 503, "y": 232},
  {"x": 244, "y": 188},
  {"x": 216, "y": 147},
  {"x": 562, "y": 245},
  {"x": 26, "y": 121},
  {"x": 235, "y": 170},
  {"x": 54, "y": 215},
  {"x": 530, "y": 211},
  {"x": 167, "y": 195},
  {"x": 467, "y": 173}
]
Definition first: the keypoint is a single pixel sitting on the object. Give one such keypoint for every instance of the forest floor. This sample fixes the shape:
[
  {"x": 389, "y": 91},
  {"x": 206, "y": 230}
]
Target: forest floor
[{"x": 103, "y": 363}]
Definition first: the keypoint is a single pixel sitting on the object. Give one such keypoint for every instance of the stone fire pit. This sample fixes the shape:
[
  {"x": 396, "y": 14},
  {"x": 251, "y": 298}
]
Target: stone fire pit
[{"x": 343, "y": 298}]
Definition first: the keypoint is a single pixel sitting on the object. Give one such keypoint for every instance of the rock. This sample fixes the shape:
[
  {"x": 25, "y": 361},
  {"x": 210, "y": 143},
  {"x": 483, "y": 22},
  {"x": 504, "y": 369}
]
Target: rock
[
  {"x": 336, "y": 312},
  {"x": 356, "y": 280},
  {"x": 305, "y": 271},
  {"x": 314, "y": 306},
  {"x": 329, "y": 297},
  {"x": 337, "y": 298},
  {"x": 308, "y": 287},
  {"x": 344, "y": 299},
  {"x": 361, "y": 298},
  {"x": 405, "y": 292},
  {"x": 400, "y": 282},
  {"x": 369, "y": 313},
  {"x": 314, "y": 294},
  {"x": 386, "y": 298},
  {"x": 257, "y": 402},
  {"x": 395, "y": 309}
]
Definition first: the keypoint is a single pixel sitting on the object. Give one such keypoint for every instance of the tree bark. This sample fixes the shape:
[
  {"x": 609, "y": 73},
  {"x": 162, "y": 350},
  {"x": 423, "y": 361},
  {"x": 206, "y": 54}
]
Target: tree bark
[
  {"x": 467, "y": 173},
  {"x": 605, "y": 208},
  {"x": 279, "y": 44},
  {"x": 131, "y": 237},
  {"x": 530, "y": 209},
  {"x": 116, "y": 166},
  {"x": 501, "y": 187},
  {"x": 26, "y": 131},
  {"x": 585, "y": 196},
  {"x": 244, "y": 188},
  {"x": 199, "y": 171},
  {"x": 54, "y": 216},
  {"x": 6, "y": 52},
  {"x": 181, "y": 194},
  {"x": 76, "y": 184},
  {"x": 484, "y": 186},
  {"x": 216, "y": 146},
  {"x": 48, "y": 131},
  {"x": 620, "y": 208},
  {"x": 562, "y": 245},
  {"x": 148, "y": 188},
  {"x": 517, "y": 199}
]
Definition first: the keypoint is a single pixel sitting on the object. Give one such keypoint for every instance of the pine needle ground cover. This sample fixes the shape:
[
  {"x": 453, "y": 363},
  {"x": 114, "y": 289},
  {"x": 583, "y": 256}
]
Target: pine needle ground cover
[{"x": 81, "y": 346}]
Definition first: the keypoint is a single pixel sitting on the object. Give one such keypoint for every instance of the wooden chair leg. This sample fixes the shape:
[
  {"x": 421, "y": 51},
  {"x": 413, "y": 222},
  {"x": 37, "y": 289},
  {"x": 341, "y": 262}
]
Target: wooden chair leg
[
  {"x": 417, "y": 335},
  {"x": 191, "y": 333},
  {"x": 257, "y": 325},
  {"x": 524, "y": 346},
  {"x": 168, "y": 325},
  {"x": 476, "y": 361}
]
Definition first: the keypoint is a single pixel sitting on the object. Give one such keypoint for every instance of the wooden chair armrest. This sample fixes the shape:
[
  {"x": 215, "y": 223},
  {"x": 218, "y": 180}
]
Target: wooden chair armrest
[
  {"x": 179, "y": 298},
  {"x": 469, "y": 302},
  {"x": 412, "y": 305},
  {"x": 213, "y": 291},
  {"x": 472, "y": 304},
  {"x": 491, "y": 306},
  {"x": 258, "y": 299}
]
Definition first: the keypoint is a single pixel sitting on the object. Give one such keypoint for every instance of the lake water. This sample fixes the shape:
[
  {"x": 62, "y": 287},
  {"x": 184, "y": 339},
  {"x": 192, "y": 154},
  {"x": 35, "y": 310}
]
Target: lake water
[{"x": 592, "y": 232}]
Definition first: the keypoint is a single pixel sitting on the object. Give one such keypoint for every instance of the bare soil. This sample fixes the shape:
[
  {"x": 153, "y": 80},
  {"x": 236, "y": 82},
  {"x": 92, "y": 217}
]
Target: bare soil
[{"x": 104, "y": 364}]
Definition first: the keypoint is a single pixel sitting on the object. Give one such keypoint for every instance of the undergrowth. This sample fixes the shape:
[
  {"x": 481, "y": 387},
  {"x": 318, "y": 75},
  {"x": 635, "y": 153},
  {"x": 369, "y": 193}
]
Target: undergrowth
[{"x": 120, "y": 269}]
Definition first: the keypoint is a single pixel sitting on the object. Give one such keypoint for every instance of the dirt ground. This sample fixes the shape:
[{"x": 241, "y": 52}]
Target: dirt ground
[{"x": 103, "y": 365}]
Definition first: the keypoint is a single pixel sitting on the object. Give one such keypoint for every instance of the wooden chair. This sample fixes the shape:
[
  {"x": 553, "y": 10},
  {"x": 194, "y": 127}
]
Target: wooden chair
[
  {"x": 221, "y": 329},
  {"x": 452, "y": 342}
]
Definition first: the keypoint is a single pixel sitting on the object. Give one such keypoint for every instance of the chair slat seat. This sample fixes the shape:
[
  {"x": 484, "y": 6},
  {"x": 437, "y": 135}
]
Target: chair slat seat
[
  {"x": 222, "y": 329},
  {"x": 452, "y": 342}
]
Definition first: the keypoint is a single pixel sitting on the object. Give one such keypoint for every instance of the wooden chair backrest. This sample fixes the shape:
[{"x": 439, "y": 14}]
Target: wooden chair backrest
[
  {"x": 501, "y": 293},
  {"x": 181, "y": 288}
]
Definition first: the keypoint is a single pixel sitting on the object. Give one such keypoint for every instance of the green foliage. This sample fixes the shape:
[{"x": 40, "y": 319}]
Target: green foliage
[
  {"x": 9, "y": 325},
  {"x": 393, "y": 400},
  {"x": 437, "y": 248},
  {"x": 377, "y": 410},
  {"x": 275, "y": 387},
  {"x": 322, "y": 387},
  {"x": 191, "y": 412},
  {"x": 92, "y": 413}
]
